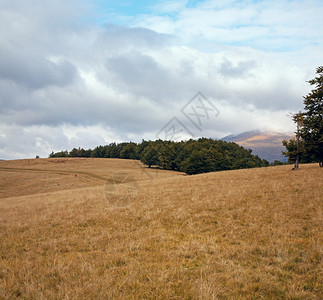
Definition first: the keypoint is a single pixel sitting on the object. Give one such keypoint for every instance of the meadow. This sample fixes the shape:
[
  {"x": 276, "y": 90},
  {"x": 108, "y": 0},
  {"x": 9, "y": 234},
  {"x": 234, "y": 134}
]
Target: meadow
[{"x": 85, "y": 228}]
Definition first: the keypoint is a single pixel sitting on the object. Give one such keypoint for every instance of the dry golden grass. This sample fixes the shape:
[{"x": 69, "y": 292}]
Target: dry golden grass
[
  {"x": 34, "y": 176},
  {"x": 245, "y": 234}
]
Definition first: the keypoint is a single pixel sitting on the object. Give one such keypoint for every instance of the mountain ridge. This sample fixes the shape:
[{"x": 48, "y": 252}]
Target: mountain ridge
[{"x": 266, "y": 144}]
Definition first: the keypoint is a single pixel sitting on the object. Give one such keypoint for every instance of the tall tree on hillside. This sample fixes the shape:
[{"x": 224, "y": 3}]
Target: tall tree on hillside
[
  {"x": 312, "y": 129},
  {"x": 295, "y": 151},
  {"x": 292, "y": 151},
  {"x": 310, "y": 146}
]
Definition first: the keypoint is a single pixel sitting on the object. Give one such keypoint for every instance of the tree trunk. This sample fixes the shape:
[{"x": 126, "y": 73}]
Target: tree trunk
[{"x": 321, "y": 164}]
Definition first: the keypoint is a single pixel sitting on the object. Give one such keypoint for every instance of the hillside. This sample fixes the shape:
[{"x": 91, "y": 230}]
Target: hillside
[
  {"x": 252, "y": 234},
  {"x": 267, "y": 145},
  {"x": 34, "y": 176}
]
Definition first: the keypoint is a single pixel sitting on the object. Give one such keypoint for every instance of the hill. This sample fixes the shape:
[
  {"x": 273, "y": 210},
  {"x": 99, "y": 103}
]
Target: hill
[
  {"x": 35, "y": 176},
  {"x": 267, "y": 145},
  {"x": 254, "y": 233}
]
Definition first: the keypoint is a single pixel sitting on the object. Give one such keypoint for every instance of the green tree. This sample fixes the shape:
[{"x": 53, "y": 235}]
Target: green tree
[
  {"x": 114, "y": 152},
  {"x": 197, "y": 162},
  {"x": 310, "y": 124},
  {"x": 87, "y": 153},
  {"x": 150, "y": 156},
  {"x": 291, "y": 151},
  {"x": 59, "y": 154},
  {"x": 98, "y": 152},
  {"x": 167, "y": 156},
  {"x": 129, "y": 151},
  {"x": 142, "y": 146},
  {"x": 192, "y": 156},
  {"x": 312, "y": 127},
  {"x": 80, "y": 152}
]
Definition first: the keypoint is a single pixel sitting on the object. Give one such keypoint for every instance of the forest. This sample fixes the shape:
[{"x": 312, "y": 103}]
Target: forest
[{"x": 192, "y": 156}]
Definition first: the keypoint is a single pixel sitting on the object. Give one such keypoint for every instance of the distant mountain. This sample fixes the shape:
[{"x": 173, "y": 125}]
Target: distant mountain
[{"x": 267, "y": 145}]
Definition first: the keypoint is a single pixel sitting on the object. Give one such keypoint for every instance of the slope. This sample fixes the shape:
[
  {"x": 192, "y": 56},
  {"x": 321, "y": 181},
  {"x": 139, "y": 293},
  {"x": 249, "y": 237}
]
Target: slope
[
  {"x": 34, "y": 176},
  {"x": 253, "y": 233}
]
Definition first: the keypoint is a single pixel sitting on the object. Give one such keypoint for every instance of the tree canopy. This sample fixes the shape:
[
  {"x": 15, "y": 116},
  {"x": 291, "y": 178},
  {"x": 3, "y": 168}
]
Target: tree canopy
[
  {"x": 192, "y": 156},
  {"x": 312, "y": 129},
  {"x": 311, "y": 125}
]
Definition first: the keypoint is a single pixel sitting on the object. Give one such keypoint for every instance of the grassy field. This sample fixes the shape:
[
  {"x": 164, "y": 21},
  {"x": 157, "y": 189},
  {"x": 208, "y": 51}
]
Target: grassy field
[{"x": 244, "y": 234}]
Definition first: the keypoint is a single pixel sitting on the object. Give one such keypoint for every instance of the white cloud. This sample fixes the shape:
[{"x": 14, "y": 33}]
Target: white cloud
[
  {"x": 269, "y": 25},
  {"x": 67, "y": 83},
  {"x": 169, "y": 7}
]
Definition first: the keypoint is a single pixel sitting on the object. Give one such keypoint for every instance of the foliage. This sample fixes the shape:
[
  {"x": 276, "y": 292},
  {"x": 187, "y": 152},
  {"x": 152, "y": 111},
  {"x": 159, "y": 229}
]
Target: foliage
[
  {"x": 129, "y": 151},
  {"x": 59, "y": 154},
  {"x": 167, "y": 156},
  {"x": 278, "y": 163},
  {"x": 192, "y": 156},
  {"x": 150, "y": 156},
  {"x": 291, "y": 151},
  {"x": 312, "y": 129},
  {"x": 198, "y": 162},
  {"x": 311, "y": 126}
]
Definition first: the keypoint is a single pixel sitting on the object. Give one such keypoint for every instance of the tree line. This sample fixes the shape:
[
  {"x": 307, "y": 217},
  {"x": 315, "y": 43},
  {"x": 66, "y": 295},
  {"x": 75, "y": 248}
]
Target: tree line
[{"x": 192, "y": 156}]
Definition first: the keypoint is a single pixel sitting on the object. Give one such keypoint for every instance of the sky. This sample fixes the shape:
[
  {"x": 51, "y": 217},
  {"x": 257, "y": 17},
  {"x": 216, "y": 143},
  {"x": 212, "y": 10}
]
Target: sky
[{"x": 83, "y": 73}]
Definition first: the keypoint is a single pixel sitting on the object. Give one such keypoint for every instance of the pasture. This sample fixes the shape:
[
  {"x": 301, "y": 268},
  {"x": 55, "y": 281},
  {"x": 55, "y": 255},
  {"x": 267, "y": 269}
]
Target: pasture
[{"x": 243, "y": 234}]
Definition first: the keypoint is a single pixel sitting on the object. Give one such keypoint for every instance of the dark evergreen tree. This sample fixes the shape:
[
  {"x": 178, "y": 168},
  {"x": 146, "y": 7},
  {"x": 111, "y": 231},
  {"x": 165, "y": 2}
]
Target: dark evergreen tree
[
  {"x": 59, "y": 154},
  {"x": 142, "y": 146},
  {"x": 129, "y": 151},
  {"x": 150, "y": 156},
  {"x": 167, "y": 156},
  {"x": 312, "y": 127},
  {"x": 98, "y": 152},
  {"x": 197, "y": 162},
  {"x": 310, "y": 124},
  {"x": 114, "y": 150},
  {"x": 291, "y": 151}
]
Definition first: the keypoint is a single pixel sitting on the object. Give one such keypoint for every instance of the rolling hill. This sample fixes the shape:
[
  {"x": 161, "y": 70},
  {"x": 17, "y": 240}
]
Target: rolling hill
[
  {"x": 267, "y": 145},
  {"x": 118, "y": 230}
]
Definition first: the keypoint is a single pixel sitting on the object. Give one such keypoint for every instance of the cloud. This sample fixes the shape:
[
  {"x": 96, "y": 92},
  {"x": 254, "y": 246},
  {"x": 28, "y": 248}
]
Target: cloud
[
  {"x": 35, "y": 72},
  {"x": 264, "y": 25},
  {"x": 240, "y": 70},
  {"x": 66, "y": 81}
]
